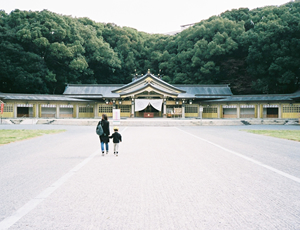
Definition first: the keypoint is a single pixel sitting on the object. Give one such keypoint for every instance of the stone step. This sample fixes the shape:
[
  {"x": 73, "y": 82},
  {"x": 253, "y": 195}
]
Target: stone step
[
  {"x": 156, "y": 122},
  {"x": 29, "y": 121}
]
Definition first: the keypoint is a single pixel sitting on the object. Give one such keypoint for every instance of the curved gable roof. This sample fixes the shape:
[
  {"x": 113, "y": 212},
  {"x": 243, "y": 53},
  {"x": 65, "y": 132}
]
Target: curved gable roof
[
  {"x": 143, "y": 78},
  {"x": 148, "y": 85}
]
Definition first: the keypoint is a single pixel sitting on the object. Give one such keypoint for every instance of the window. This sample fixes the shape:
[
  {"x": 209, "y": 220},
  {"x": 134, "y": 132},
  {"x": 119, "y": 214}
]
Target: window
[
  {"x": 86, "y": 109},
  {"x": 105, "y": 108},
  {"x": 247, "y": 106},
  {"x": 270, "y": 106},
  {"x": 170, "y": 108},
  {"x": 8, "y": 108},
  {"x": 65, "y": 106},
  {"x": 173, "y": 106},
  {"x": 125, "y": 108},
  {"x": 191, "y": 109},
  {"x": 25, "y": 105},
  {"x": 229, "y": 106},
  {"x": 210, "y": 110},
  {"x": 291, "y": 109},
  {"x": 48, "y": 106}
]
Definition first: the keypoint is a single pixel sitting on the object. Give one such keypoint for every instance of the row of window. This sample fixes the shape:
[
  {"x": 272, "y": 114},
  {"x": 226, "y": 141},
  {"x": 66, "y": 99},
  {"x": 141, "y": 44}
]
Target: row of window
[
  {"x": 105, "y": 109},
  {"x": 86, "y": 109},
  {"x": 191, "y": 109},
  {"x": 125, "y": 108},
  {"x": 8, "y": 108},
  {"x": 210, "y": 110},
  {"x": 291, "y": 109},
  {"x": 109, "y": 109}
]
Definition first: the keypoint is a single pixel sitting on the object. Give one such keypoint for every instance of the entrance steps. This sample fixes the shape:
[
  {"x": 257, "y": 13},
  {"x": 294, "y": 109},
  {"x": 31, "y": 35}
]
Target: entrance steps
[
  {"x": 16, "y": 121},
  {"x": 5, "y": 122},
  {"x": 177, "y": 122},
  {"x": 155, "y": 122},
  {"x": 292, "y": 122},
  {"x": 29, "y": 121}
]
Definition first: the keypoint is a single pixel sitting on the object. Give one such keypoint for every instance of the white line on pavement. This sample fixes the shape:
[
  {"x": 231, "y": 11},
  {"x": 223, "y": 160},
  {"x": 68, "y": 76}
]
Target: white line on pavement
[
  {"x": 247, "y": 158},
  {"x": 124, "y": 129},
  {"x": 30, "y": 205}
]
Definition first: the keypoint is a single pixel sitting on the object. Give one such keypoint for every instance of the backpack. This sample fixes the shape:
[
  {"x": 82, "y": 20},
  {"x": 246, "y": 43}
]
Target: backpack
[{"x": 99, "y": 129}]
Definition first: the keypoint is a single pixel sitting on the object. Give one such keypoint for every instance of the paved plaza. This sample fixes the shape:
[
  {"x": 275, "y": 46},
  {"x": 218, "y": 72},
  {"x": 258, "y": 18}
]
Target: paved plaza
[{"x": 186, "y": 177}]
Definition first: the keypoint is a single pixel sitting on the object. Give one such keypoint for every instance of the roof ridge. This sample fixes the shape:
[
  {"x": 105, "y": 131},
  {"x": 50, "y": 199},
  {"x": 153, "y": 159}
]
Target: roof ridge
[
  {"x": 95, "y": 85},
  {"x": 145, "y": 76},
  {"x": 201, "y": 85}
]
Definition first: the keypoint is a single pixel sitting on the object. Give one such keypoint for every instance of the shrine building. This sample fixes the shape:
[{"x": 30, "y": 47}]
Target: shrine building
[{"x": 149, "y": 96}]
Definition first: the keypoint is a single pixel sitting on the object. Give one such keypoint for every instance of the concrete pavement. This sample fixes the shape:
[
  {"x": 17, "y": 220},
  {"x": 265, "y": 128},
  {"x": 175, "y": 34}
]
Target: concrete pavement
[{"x": 164, "y": 178}]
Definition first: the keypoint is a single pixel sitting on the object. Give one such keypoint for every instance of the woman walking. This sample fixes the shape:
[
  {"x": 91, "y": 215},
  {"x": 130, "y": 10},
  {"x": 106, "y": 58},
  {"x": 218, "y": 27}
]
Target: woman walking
[{"x": 104, "y": 137}]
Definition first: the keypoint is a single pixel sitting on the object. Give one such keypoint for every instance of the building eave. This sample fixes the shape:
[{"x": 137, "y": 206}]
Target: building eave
[
  {"x": 145, "y": 87},
  {"x": 154, "y": 78}
]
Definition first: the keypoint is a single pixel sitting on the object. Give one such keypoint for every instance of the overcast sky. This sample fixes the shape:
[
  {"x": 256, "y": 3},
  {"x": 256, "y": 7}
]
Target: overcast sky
[{"x": 155, "y": 16}]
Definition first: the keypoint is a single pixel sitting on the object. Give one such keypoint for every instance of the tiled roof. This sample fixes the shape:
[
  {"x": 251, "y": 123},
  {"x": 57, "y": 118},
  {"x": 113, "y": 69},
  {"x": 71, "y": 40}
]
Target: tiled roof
[
  {"x": 202, "y": 91},
  {"x": 138, "y": 80},
  {"x": 92, "y": 90},
  {"x": 268, "y": 97},
  {"x": 37, "y": 97}
]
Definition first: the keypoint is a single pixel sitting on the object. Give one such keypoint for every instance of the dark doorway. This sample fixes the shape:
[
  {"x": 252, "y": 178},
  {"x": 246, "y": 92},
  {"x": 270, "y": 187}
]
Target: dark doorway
[
  {"x": 272, "y": 112},
  {"x": 22, "y": 112},
  {"x": 149, "y": 112}
]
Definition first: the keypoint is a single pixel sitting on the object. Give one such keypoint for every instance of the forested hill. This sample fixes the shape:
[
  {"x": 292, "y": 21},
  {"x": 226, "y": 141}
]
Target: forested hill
[{"x": 255, "y": 51}]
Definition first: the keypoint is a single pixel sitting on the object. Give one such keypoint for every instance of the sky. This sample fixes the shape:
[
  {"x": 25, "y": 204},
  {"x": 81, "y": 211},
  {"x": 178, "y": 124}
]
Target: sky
[{"x": 155, "y": 16}]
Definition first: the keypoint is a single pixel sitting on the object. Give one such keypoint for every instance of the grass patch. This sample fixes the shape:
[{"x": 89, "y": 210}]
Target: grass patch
[
  {"x": 293, "y": 135},
  {"x": 12, "y": 135}
]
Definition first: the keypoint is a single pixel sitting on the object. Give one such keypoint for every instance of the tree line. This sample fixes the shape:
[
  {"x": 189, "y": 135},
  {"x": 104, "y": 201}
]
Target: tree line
[{"x": 255, "y": 51}]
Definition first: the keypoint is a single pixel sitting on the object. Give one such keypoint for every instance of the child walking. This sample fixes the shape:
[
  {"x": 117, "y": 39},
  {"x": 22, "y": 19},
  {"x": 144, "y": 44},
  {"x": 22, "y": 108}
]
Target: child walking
[{"x": 117, "y": 138}]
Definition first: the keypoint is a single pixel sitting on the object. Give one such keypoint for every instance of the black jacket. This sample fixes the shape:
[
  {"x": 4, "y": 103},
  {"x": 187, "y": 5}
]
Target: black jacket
[
  {"x": 116, "y": 137},
  {"x": 105, "y": 126}
]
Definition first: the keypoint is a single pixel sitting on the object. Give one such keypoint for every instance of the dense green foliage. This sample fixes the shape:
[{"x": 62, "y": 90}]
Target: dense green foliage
[{"x": 255, "y": 51}]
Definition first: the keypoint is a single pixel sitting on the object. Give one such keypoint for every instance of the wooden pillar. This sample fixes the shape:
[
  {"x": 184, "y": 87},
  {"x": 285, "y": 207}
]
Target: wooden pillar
[
  {"x": 57, "y": 111},
  {"x": 279, "y": 111},
  {"x": 96, "y": 109},
  {"x": 40, "y": 110},
  {"x": 77, "y": 111},
  {"x": 165, "y": 108},
  {"x": 255, "y": 111},
  {"x": 201, "y": 111},
  {"x": 238, "y": 111},
  {"x": 15, "y": 110},
  {"x": 219, "y": 111},
  {"x": 132, "y": 108},
  {"x": 260, "y": 111},
  {"x": 36, "y": 110},
  {"x": 33, "y": 110}
]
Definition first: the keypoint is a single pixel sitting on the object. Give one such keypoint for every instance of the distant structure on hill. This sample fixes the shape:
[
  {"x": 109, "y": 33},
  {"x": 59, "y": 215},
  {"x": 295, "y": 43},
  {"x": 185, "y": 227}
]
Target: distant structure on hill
[{"x": 183, "y": 27}]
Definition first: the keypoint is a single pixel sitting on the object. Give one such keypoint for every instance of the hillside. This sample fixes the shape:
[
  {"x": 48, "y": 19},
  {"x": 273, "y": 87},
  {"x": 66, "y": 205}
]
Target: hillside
[{"x": 254, "y": 51}]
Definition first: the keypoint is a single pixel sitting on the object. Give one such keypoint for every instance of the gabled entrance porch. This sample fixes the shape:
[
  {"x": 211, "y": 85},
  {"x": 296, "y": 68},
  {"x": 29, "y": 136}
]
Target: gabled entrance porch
[{"x": 148, "y": 108}]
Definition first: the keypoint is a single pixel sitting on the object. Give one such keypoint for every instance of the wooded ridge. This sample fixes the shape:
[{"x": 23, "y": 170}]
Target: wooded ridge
[{"x": 255, "y": 51}]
